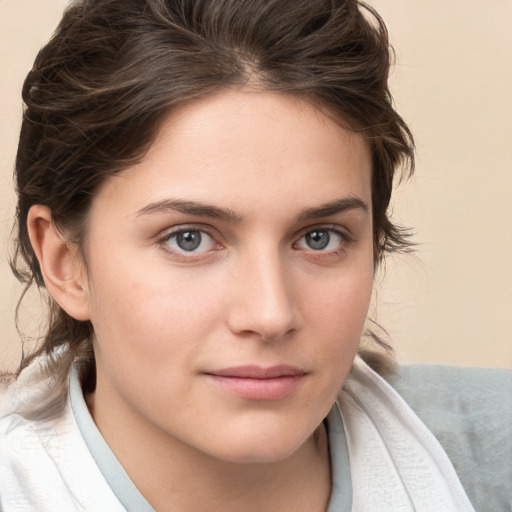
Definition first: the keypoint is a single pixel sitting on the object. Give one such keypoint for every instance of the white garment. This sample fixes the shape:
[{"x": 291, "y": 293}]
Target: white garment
[
  {"x": 46, "y": 466},
  {"x": 396, "y": 464}
]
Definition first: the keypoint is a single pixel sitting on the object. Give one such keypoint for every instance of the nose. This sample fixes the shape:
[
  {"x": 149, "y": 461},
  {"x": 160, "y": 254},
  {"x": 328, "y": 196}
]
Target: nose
[{"x": 264, "y": 303}]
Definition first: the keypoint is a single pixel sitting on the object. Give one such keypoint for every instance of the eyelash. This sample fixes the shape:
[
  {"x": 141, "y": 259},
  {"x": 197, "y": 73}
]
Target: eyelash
[
  {"x": 164, "y": 242},
  {"x": 344, "y": 239}
]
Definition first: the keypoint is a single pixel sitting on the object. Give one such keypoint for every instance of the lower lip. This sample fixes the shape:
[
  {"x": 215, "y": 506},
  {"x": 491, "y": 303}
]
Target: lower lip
[{"x": 259, "y": 389}]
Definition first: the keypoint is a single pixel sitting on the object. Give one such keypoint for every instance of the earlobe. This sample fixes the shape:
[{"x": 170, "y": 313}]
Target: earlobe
[{"x": 61, "y": 267}]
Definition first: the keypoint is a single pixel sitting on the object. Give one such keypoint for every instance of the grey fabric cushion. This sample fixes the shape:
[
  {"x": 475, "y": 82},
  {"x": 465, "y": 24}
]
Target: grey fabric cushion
[{"x": 469, "y": 410}]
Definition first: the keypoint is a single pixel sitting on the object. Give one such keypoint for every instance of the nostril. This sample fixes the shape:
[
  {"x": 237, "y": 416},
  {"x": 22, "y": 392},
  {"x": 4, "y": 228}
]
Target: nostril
[{"x": 249, "y": 320}]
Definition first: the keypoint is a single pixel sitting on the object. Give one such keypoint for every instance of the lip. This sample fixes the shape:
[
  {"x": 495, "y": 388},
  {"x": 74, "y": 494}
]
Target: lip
[{"x": 258, "y": 383}]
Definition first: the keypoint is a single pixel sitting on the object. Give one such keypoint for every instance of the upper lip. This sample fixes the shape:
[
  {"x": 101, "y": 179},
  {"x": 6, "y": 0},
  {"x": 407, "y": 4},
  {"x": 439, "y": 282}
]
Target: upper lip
[{"x": 258, "y": 372}]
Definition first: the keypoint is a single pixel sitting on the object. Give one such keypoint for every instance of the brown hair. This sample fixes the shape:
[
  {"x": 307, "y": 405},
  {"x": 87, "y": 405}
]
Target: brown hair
[{"x": 99, "y": 89}]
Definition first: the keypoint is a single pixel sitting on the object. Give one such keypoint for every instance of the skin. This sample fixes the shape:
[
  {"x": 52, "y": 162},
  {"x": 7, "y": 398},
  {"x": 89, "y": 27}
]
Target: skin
[{"x": 257, "y": 291}]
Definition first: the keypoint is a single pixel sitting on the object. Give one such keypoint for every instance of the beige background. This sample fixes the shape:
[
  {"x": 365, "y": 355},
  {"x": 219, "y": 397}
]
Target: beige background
[{"x": 452, "y": 301}]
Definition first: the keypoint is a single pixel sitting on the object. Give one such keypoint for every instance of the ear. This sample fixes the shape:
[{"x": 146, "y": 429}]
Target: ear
[{"x": 62, "y": 267}]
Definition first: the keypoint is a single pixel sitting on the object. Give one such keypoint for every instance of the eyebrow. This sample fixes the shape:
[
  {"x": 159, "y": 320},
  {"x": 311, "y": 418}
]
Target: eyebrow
[
  {"x": 228, "y": 215},
  {"x": 332, "y": 208},
  {"x": 190, "y": 208}
]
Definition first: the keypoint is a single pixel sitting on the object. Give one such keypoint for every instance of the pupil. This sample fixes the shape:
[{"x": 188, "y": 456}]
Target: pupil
[
  {"x": 318, "y": 240},
  {"x": 188, "y": 240}
]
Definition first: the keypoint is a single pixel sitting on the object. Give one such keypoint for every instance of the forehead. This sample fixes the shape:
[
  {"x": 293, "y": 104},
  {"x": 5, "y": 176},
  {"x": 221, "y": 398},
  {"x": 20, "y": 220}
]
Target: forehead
[{"x": 247, "y": 150}]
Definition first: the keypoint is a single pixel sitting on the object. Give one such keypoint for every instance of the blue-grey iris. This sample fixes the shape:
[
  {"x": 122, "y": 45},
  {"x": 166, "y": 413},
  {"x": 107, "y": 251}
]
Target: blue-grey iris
[
  {"x": 318, "y": 240},
  {"x": 188, "y": 240}
]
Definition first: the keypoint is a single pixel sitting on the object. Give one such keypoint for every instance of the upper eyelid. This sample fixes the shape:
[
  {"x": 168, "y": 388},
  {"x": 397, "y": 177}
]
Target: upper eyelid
[
  {"x": 343, "y": 231},
  {"x": 170, "y": 231}
]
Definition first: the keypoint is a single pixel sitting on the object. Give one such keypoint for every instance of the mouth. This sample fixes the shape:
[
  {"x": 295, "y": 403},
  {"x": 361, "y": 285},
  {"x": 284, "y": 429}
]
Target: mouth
[{"x": 257, "y": 383}]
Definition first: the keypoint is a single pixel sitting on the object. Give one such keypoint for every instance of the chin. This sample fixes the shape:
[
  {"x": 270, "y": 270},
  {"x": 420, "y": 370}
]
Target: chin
[
  {"x": 258, "y": 455},
  {"x": 267, "y": 447}
]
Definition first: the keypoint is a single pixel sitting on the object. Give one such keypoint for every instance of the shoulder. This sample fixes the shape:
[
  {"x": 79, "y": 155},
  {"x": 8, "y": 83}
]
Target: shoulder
[
  {"x": 28, "y": 446},
  {"x": 44, "y": 459},
  {"x": 469, "y": 410}
]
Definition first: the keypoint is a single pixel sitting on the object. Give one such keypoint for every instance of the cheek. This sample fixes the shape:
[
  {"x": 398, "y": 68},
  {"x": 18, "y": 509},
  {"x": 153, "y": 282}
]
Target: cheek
[
  {"x": 333, "y": 328},
  {"x": 338, "y": 313},
  {"x": 149, "y": 312},
  {"x": 344, "y": 300}
]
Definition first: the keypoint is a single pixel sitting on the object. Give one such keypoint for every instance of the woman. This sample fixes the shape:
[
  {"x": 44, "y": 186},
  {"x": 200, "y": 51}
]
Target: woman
[{"x": 203, "y": 191}]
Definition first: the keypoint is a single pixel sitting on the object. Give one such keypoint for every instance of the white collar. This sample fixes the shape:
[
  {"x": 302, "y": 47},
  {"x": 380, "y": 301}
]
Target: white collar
[{"x": 396, "y": 463}]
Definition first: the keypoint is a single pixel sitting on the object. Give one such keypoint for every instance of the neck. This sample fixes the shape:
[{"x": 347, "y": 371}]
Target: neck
[{"x": 177, "y": 477}]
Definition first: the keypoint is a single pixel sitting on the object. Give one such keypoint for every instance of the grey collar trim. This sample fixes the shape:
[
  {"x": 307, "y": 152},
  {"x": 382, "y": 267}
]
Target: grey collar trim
[
  {"x": 341, "y": 490},
  {"x": 114, "y": 474}
]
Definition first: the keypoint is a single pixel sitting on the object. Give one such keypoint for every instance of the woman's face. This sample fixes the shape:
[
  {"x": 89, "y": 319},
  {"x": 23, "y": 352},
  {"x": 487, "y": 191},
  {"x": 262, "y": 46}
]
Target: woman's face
[{"x": 229, "y": 275}]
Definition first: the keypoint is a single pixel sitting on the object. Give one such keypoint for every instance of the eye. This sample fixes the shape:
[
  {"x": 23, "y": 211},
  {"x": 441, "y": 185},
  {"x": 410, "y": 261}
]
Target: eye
[
  {"x": 189, "y": 241},
  {"x": 321, "y": 239}
]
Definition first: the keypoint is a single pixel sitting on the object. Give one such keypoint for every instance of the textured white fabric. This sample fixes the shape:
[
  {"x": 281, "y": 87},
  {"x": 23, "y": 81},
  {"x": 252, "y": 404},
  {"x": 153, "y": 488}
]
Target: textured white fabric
[
  {"x": 396, "y": 463},
  {"x": 45, "y": 465}
]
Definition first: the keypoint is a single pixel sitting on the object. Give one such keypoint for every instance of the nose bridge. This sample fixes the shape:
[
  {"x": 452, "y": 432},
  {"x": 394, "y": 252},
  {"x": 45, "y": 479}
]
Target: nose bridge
[{"x": 264, "y": 303}]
